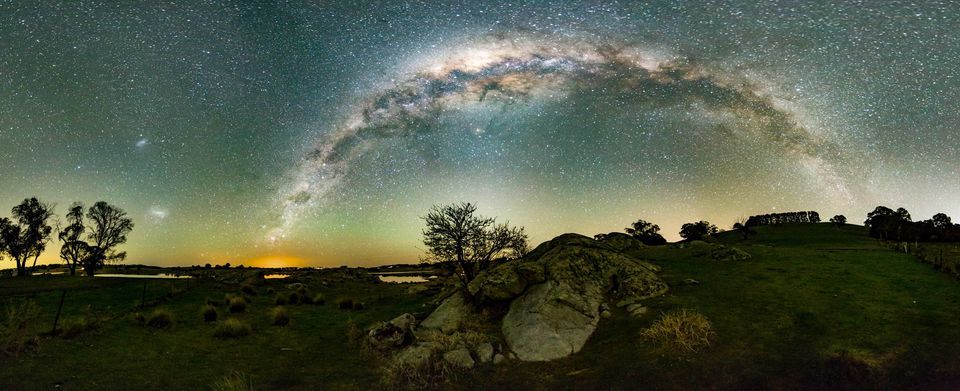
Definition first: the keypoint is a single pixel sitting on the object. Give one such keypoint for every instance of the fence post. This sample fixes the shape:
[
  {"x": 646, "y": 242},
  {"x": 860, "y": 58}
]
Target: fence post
[
  {"x": 56, "y": 319},
  {"x": 143, "y": 295}
]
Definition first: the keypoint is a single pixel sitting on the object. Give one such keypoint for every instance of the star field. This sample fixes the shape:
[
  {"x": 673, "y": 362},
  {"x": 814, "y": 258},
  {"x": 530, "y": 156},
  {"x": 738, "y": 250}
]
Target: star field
[{"x": 318, "y": 133}]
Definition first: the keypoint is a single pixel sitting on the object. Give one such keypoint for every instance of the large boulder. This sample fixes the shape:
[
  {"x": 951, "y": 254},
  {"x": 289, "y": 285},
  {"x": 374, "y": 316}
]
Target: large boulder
[
  {"x": 557, "y": 313},
  {"x": 449, "y": 315}
]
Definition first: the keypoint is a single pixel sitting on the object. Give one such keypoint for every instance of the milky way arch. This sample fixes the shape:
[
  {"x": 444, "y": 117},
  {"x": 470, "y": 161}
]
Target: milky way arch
[{"x": 512, "y": 70}]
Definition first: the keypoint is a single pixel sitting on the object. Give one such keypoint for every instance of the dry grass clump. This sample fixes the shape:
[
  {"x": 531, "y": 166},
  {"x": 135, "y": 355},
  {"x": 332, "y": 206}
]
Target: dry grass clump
[
  {"x": 293, "y": 298},
  {"x": 280, "y": 316},
  {"x": 683, "y": 329},
  {"x": 232, "y": 328},
  {"x": 235, "y": 381},
  {"x": 446, "y": 342},
  {"x": 73, "y": 327},
  {"x": 431, "y": 374},
  {"x": 248, "y": 289},
  {"x": 160, "y": 318},
  {"x": 236, "y": 304},
  {"x": 209, "y": 313},
  {"x": 15, "y": 336}
]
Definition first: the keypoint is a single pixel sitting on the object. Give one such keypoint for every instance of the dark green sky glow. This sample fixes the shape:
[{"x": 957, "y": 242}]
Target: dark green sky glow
[{"x": 317, "y": 133}]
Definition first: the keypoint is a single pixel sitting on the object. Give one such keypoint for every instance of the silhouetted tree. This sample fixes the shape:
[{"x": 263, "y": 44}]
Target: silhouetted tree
[
  {"x": 698, "y": 230},
  {"x": 109, "y": 226},
  {"x": 741, "y": 226},
  {"x": 647, "y": 232},
  {"x": 941, "y": 221},
  {"x": 26, "y": 236},
  {"x": 74, "y": 250},
  {"x": 455, "y": 234},
  {"x": 838, "y": 220}
]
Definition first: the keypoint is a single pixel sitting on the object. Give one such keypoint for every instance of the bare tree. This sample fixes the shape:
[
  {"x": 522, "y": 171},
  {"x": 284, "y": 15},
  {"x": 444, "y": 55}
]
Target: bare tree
[
  {"x": 454, "y": 234},
  {"x": 109, "y": 226}
]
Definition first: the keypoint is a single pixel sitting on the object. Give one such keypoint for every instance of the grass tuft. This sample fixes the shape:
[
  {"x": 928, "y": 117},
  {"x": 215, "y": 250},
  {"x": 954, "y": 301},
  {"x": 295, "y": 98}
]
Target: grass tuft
[
  {"x": 232, "y": 328},
  {"x": 235, "y": 381},
  {"x": 319, "y": 299},
  {"x": 248, "y": 289},
  {"x": 160, "y": 318},
  {"x": 683, "y": 329},
  {"x": 236, "y": 304},
  {"x": 209, "y": 313},
  {"x": 280, "y": 316}
]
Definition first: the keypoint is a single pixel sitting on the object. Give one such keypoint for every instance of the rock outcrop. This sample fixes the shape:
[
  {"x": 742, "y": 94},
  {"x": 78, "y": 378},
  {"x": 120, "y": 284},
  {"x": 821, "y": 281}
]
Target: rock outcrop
[{"x": 554, "y": 299}]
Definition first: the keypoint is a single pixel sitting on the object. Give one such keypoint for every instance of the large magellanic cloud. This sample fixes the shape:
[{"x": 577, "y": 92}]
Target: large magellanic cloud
[{"x": 519, "y": 69}]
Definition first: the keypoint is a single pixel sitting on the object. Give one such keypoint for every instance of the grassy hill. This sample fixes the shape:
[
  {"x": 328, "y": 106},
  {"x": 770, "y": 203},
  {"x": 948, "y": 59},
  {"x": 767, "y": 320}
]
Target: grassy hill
[{"x": 816, "y": 306}]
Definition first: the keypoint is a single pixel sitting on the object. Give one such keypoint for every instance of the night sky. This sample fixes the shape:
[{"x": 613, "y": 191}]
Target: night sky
[{"x": 317, "y": 133}]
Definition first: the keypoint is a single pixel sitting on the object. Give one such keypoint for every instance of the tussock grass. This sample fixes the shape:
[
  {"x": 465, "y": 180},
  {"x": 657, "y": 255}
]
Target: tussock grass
[
  {"x": 209, "y": 313},
  {"x": 446, "y": 342},
  {"x": 293, "y": 298},
  {"x": 236, "y": 304},
  {"x": 235, "y": 381},
  {"x": 248, "y": 289},
  {"x": 345, "y": 303},
  {"x": 429, "y": 375},
  {"x": 319, "y": 299},
  {"x": 73, "y": 327},
  {"x": 232, "y": 328},
  {"x": 160, "y": 318},
  {"x": 280, "y": 316},
  {"x": 280, "y": 300},
  {"x": 683, "y": 329},
  {"x": 213, "y": 302}
]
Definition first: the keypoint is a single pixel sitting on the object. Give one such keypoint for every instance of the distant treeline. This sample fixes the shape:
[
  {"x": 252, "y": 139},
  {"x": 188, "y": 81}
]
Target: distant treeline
[
  {"x": 888, "y": 224},
  {"x": 783, "y": 218}
]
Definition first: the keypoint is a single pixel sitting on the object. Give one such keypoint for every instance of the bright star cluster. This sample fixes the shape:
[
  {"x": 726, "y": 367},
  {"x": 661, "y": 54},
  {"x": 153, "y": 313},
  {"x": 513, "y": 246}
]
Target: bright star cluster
[{"x": 319, "y": 132}]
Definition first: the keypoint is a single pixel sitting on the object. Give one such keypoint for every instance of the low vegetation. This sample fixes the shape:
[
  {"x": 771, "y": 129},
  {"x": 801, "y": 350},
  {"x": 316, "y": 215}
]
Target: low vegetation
[
  {"x": 16, "y": 337},
  {"x": 235, "y": 381},
  {"x": 232, "y": 328},
  {"x": 160, "y": 318},
  {"x": 209, "y": 313},
  {"x": 236, "y": 304},
  {"x": 683, "y": 329},
  {"x": 280, "y": 316}
]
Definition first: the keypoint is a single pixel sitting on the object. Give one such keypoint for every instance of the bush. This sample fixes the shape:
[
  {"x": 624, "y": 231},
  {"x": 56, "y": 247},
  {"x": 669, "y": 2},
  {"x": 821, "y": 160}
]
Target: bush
[
  {"x": 209, "y": 313},
  {"x": 280, "y": 316},
  {"x": 231, "y": 328},
  {"x": 319, "y": 299},
  {"x": 235, "y": 381},
  {"x": 682, "y": 329},
  {"x": 293, "y": 298},
  {"x": 345, "y": 304},
  {"x": 248, "y": 289},
  {"x": 236, "y": 304},
  {"x": 280, "y": 300},
  {"x": 15, "y": 336},
  {"x": 160, "y": 318}
]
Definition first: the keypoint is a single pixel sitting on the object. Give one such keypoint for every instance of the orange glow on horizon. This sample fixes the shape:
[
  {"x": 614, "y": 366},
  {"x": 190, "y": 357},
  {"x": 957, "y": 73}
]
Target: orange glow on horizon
[{"x": 278, "y": 261}]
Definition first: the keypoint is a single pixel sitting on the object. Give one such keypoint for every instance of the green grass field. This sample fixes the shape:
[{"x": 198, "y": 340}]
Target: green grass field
[{"x": 817, "y": 307}]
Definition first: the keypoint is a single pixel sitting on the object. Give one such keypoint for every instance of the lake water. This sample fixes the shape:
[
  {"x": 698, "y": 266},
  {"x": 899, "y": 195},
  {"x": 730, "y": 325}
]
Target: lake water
[
  {"x": 273, "y": 276},
  {"x": 160, "y": 276},
  {"x": 402, "y": 279}
]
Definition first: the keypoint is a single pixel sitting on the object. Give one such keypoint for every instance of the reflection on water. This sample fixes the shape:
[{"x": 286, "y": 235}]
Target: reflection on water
[
  {"x": 402, "y": 279},
  {"x": 272, "y": 276},
  {"x": 161, "y": 275}
]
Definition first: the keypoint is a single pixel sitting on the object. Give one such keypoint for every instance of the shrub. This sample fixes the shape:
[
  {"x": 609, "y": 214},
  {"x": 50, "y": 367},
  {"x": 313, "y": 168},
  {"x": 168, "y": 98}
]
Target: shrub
[
  {"x": 682, "y": 329},
  {"x": 235, "y": 381},
  {"x": 345, "y": 304},
  {"x": 248, "y": 289},
  {"x": 280, "y": 300},
  {"x": 160, "y": 318},
  {"x": 293, "y": 298},
  {"x": 15, "y": 336},
  {"x": 280, "y": 316},
  {"x": 231, "y": 328},
  {"x": 319, "y": 299},
  {"x": 209, "y": 313},
  {"x": 236, "y": 304}
]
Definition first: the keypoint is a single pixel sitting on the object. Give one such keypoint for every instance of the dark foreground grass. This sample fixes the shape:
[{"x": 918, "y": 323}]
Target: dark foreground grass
[
  {"x": 309, "y": 353},
  {"x": 817, "y": 307}
]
